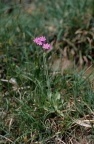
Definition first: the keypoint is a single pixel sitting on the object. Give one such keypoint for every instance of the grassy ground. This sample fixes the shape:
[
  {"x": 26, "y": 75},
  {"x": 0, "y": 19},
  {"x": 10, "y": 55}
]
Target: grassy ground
[{"x": 40, "y": 102}]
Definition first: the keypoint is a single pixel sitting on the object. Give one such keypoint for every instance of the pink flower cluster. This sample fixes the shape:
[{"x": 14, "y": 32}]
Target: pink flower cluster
[{"x": 41, "y": 41}]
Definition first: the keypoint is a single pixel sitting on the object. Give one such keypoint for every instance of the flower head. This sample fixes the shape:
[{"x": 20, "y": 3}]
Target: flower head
[
  {"x": 46, "y": 46},
  {"x": 41, "y": 41},
  {"x": 37, "y": 41}
]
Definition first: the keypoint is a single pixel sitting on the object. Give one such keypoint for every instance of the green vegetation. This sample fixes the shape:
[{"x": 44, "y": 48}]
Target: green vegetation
[{"x": 37, "y": 104}]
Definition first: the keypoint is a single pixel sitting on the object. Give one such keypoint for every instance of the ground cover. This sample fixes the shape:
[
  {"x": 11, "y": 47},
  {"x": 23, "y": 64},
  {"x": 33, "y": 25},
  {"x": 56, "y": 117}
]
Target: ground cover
[{"x": 47, "y": 96}]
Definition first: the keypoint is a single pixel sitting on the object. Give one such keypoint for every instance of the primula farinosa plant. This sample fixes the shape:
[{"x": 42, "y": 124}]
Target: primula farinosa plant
[
  {"x": 42, "y": 42},
  {"x": 53, "y": 100}
]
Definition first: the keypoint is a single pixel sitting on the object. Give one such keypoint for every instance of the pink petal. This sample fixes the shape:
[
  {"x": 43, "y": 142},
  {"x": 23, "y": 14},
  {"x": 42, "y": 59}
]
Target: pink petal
[{"x": 42, "y": 38}]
